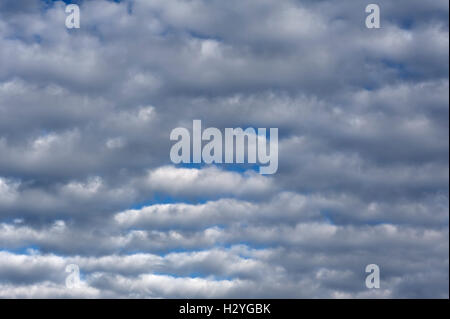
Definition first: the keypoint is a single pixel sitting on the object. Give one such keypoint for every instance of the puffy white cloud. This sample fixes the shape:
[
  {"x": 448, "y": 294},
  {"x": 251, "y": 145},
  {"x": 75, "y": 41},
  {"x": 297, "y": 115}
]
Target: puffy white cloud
[{"x": 208, "y": 181}]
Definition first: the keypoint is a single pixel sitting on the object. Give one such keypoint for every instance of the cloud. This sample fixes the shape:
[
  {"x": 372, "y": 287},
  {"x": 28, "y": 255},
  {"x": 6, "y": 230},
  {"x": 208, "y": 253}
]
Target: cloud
[{"x": 209, "y": 181}]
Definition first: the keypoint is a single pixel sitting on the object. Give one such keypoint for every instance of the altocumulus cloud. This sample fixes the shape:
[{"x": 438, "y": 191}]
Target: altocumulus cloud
[{"x": 85, "y": 174}]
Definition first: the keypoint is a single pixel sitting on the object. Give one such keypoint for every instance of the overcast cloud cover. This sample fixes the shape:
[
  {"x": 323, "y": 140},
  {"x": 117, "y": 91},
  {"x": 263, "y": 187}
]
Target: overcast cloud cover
[{"x": 86, "y": 178}]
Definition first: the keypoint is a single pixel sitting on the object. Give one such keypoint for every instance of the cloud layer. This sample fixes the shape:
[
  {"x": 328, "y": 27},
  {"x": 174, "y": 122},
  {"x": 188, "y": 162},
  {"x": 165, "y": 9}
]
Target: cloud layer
[{"x": 86, "y": 178}]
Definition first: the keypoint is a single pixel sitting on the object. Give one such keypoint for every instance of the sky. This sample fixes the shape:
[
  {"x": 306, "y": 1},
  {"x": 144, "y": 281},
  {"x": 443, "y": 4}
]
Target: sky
[{"x": 86, "y": 177}]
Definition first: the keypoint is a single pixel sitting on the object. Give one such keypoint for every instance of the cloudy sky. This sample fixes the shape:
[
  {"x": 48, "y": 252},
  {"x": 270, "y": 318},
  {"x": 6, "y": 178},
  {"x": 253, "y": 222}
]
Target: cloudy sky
[{"x": 86, "y": 177}]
